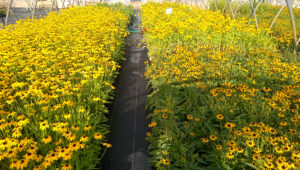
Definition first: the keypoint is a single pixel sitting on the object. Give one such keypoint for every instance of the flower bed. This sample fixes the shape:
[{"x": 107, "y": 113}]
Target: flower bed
[
  {"x": 56, "y": 78},
  {"x": 223, "y": 96}
]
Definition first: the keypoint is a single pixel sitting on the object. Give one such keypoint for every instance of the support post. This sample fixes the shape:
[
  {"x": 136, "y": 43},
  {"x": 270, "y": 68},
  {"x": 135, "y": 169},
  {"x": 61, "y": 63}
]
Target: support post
[
  {"x": 34, "y": 8},
  {"x": 232, "y": 15},
  {"x": 277, "y": 16},
  {"x": 288, "y": 3},
  {"x": 215, "y": 5},
  {"x": 252, "y": 13},
  {"x": 7, "y": 12}
]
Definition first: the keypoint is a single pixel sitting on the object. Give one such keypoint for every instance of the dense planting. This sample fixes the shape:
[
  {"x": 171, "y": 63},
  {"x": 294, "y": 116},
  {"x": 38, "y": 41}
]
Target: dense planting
[
  {"x": 56, "y": 78},
  {"x": 223, "y": 96}
]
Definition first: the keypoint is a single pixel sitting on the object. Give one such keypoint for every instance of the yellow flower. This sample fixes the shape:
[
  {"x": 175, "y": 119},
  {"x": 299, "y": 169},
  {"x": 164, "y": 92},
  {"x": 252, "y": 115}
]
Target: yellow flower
[
  {"x": 148, "y": 133},
  {"x": 47, "y": 139},
  {"x": 250, "y": 143},
  {"x": 166, "y": 161},
  {"x": 220, "y": 117},
  {"x": 164, "y": 116},
  {"x": 97, "y": 136},
  {"x": 95, "y": 99},
  {"x": 152, "y": 124},
  {"x": 38, "y": 158},
  {"x": 189, "y": 117},
  {"x": 81, "y": 110},
  {"x": 44, "y": 125},
  {"x": 67, "y": 116},
  {"x": 283, "y": 166},
  {"x": 84, "y": 139},
  {"x": 74, "y": 146},
  {"x": 240, "y": 150},
  {"x": 67, "y": 156},
  {"x": 246, "y": 129},
  {"x": 283, "y": 123},
  {"x": 254, "y": 135},
  {"x": 230, "y": 155},
  {"x": 29, "y": 156},
  {"x": 66, "y": 167},
  {"x": 205, "y": 140},
  {"x": 87, "y": 128},
  {"x": 213, "y": 137},
  {"x": 231, "y": 143},
  {"x": 107, "y": 145},
  {"x": 229, "y": 125},
  {"x": 219, "y": 147},
  {"x": 76, "y": 128}
]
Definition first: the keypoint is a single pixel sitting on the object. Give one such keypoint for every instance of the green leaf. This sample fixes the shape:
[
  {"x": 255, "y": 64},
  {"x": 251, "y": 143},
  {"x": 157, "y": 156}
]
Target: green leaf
[{"x": 252, "y": 166}]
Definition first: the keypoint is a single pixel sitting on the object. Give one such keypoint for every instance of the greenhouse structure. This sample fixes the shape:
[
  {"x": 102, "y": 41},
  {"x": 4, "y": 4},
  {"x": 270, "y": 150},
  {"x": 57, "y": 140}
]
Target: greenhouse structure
[{"x": 149, "y": 84}]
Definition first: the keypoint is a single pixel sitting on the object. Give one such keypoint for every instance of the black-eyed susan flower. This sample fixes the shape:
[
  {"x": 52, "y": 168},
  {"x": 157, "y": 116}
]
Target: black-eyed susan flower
[
  {"x": 52, "y": 156},
  {"x": 205, "y": 140},
  {"x": 47, "y": 139},
  {"x": 74, "y": 146},
  {"x": 67, "y": 156},
  {"x": 280, "y": 160},
  {"x": 67, "y": 116},
  {"x": 292, "y": 131},
  {"x": 219, "y": 147},
  {"x": 220, "y": 117},
  {"x": 250, "y": 143},
  {"x": 283, "y": 166},
  {"x": 240, "y": 150},
  {"x": 71, "y": 137},
  {"x": 229, "y": 125},
  {"x": 189, "y": 117},
  {"x": 84, "y": 139},
  {"x": 87, "y": 127},
  {"x": 32, "y": 149},
  {"x": 269, "y": 164},
  {"x": 246, "y": 129},
  {"x": 284, "y": 123},
  {"x": 75, "y": 128},
  {"x": 95, "y": 99},
  {"x": 148, "y": 133},
  {"x": 213, "y": 137},
  {"x": 164, "y": 116},
  {"x": 98, "y": 136},
  {"x": 38, "y": 158},
  {"x": 29, "y": 156},
  {"x": 230, "y": 155},
  {"x": 81, "y": 110},
  {"x": 11, "y": 153},
  {"x": 166, "y": 161},
  {"x": 254, "y": 135},
  {"x": 107, "y": 145},
  {"x": 66, "y": 167},
  {"x": 231, "y": 143}
]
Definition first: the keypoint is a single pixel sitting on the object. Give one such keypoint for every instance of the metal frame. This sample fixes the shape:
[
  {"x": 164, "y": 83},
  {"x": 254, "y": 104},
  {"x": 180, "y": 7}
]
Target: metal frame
[
  {"x": 34, "y": 5},
  {"x": 285, "y": 3}
]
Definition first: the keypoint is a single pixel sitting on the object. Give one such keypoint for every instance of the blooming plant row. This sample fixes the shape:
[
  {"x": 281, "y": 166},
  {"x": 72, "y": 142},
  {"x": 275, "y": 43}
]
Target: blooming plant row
[
  {"x": 56, "y": 78},
  {"x": 223, "y": 96}
]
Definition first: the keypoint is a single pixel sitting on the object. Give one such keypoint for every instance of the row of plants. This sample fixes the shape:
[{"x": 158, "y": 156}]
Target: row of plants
[
  {"x": 282, "y": 30},
  {"x": 223, "y": 96},
  {"x": 56, "y": 81}
]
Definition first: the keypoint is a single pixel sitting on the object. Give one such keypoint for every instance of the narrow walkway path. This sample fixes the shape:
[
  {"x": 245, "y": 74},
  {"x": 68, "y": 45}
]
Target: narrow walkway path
[{"x": 129, "y": 124}]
